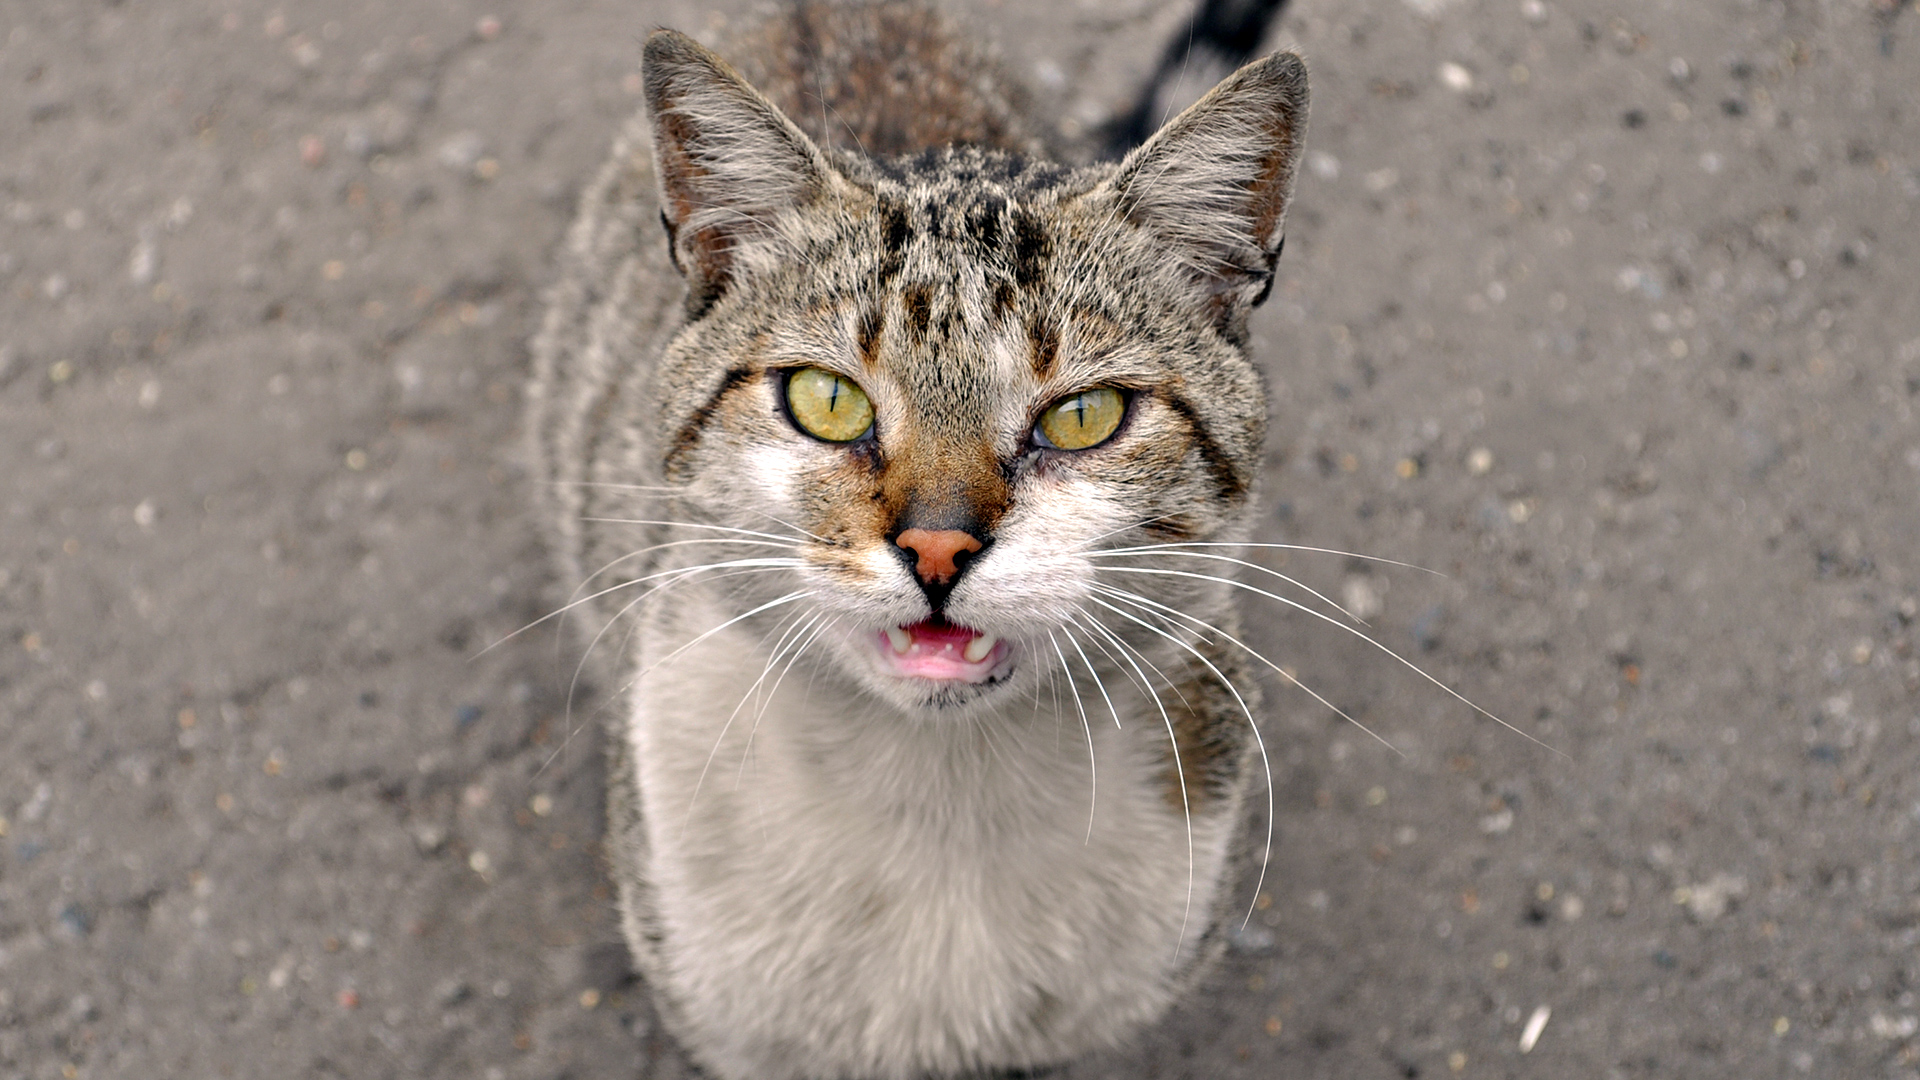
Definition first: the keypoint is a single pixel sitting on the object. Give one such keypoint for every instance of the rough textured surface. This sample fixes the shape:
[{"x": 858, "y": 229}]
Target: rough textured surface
[{"x": 1604, "y": 311}]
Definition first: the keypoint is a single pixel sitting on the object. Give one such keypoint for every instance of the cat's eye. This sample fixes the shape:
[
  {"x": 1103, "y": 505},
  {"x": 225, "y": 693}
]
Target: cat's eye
[
  {"x": 828, "y": 406},
  {"x": 1083, "y": 420}
]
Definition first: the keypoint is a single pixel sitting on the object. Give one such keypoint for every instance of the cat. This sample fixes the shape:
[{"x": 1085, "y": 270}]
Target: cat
[{"x": 897, "y": 466}]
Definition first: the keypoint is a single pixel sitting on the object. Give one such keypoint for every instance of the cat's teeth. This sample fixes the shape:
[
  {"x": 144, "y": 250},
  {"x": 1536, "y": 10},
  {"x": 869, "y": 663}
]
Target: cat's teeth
[
  {"x": 979, "y": 647},
  {"x": 899, "y": 639}
]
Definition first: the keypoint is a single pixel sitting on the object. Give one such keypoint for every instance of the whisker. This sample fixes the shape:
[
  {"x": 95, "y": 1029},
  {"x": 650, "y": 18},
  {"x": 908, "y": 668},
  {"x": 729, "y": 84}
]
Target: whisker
[
  {"x": 1283, "y": 547},
  {"x": 696, "y": 525},
  {"x": 737, "y": 566},
  {"x": 1456, "y": 695},
  {"x": 787, "y": 599},
  {"x": 1179, "y": 770},
  {"x": 1141, "y": 524},
  {"x": 1099, "y": 683},
  {"x": 792, "y": 659},
  {"x": 1322, "y": 597},
  {"x": 1098, "y": 644},
  {"x": 1137, "y": 599},
  {"x": 573, "y": 683},
  {"x": 689, "y": 525},
  {"x": 578, "y": 600},
  {"x": 1252, "y": 725},
  {"x": 773, "y": 658},
  {"x": 1093, "y": 769}
]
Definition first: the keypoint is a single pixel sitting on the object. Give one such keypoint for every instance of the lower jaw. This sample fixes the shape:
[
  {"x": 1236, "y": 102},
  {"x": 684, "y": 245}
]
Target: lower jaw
[{"x": 937, "y": 657}]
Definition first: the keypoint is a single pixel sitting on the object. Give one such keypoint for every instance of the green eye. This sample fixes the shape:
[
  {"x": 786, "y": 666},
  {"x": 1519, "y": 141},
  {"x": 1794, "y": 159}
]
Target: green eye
[
  {"x": 828, "y": 406},
  {"x": 1083, "y": 420}
]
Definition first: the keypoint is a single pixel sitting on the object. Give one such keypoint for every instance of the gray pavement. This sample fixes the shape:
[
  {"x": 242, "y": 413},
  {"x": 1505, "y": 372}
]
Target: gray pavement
[{"x": 1606, "y": 311}]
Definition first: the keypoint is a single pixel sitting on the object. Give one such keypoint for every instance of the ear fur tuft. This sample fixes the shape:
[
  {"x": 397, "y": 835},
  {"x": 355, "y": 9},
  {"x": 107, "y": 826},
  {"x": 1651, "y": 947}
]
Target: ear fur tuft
[
  {"x": 729, "y": 163},
  {"x": 1214, "y": 184}
]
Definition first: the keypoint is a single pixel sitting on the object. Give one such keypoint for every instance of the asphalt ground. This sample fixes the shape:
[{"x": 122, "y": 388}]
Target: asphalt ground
[{"x": 1607, "y": 312}]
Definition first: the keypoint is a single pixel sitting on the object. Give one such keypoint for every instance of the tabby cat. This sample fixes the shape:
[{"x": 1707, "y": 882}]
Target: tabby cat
[{"x": 897, "y": 475}]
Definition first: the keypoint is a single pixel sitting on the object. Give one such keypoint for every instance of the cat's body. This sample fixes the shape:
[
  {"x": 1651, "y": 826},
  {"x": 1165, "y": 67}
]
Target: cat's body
[{"x": 902, "y": 786}]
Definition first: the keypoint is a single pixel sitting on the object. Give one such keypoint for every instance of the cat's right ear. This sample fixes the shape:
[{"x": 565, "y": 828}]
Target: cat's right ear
[{"x": 729, "y": 165}]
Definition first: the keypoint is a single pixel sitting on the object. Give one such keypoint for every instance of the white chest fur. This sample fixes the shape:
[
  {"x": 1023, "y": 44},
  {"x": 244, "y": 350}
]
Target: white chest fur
[{"x": 845, "y": 891}]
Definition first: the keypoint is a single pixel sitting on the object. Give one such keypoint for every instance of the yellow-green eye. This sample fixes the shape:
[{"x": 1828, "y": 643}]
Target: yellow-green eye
[
  {"x": 1086, "y": 419},
  {"x": 828, "y": 406}
]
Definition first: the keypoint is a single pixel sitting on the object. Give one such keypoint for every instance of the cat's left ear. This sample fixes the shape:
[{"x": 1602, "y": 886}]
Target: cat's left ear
[
  {"x": 1214, "y": 184},
  {"x": 730, "y": 165}
]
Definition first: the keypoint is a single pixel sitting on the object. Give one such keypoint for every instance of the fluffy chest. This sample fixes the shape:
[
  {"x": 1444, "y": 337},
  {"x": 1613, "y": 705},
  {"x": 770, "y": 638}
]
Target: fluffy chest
[{"x": 840, "y": 884}]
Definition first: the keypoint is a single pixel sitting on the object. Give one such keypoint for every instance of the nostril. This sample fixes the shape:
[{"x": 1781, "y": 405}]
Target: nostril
[{"x": 939, "y": 554}]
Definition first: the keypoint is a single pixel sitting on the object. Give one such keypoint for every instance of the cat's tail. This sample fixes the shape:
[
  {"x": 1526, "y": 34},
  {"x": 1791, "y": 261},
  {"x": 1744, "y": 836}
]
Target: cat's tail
[{"x": 1221, "y": 36}]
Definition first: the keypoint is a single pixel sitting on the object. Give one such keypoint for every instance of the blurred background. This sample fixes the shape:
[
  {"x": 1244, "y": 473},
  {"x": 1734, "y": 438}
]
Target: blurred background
[{"x": 1605, "y": 311}]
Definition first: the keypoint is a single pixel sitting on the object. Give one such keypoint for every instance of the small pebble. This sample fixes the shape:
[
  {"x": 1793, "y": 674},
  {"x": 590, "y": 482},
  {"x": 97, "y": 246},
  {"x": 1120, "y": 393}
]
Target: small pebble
[
  {"x": 466, "y": 715},
  {"x": 313, "y": 151},
  {"x": 488, "y": 28},
  {"x": 36, "y": 807},
  {"x": 462, "y": 151},
  {"x": 73, "y": 922},
  {"x": 429, "y": 839},
  {"x": 1535, "y": 1025},
  {"x": 1456, "y": 77},
  {"x": 451, "y": 992},
  {"x": 144, "y": 264}
]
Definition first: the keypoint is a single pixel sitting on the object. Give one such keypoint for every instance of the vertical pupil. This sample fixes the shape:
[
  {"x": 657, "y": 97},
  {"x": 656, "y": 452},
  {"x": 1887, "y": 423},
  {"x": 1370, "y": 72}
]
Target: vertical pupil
[
  {"x": 833, "y": 396},
  {"x": 1080, "y": 410}
]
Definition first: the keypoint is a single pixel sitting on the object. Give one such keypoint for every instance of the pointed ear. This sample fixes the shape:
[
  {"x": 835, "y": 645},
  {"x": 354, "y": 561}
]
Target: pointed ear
[
  {"x": 729, "y": 164},
  {"x": 1214, "y": 184}
]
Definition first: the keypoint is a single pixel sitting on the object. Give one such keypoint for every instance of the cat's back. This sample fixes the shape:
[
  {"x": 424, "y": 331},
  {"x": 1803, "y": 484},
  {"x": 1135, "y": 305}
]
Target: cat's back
[{"x": 883, "y": 79}]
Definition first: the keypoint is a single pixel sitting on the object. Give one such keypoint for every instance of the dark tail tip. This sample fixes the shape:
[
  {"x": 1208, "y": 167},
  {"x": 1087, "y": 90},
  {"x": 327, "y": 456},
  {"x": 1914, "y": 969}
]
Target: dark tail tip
[{"x": 1221, "y": 36}]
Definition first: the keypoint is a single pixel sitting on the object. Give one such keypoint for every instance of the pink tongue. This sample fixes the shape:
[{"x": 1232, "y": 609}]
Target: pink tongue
[{"x": 937, "y": 652}]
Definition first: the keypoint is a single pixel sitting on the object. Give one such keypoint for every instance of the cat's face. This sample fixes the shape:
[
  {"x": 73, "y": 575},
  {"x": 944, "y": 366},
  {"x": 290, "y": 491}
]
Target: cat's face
[{"x": 959, "y": 385}]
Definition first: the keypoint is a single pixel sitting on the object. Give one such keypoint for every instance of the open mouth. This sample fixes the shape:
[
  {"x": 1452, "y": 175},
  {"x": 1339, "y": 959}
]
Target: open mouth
[{"x": 939, "y": 651}]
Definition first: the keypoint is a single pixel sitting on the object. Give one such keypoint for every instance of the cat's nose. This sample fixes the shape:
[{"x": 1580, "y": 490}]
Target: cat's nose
[{"x": 939, "y": 554}]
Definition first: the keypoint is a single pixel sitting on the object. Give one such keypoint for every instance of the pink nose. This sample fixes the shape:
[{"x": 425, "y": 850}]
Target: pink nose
[{"x": 936, "y": 550}]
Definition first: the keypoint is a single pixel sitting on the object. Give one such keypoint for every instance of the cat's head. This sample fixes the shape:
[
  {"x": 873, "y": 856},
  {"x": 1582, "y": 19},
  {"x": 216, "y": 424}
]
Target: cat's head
[{"x": 955, "y": 380}]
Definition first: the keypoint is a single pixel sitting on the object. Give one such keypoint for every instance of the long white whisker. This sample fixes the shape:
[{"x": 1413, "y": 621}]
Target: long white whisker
[
  {"x": 690, "y": 525},
  {"x": 1410, "y": 665},
  {"x": 573, "y": 683},
  {"x": 1268, "y": 570},
  {"x": 578, "y": 600},
  {"x": 1093, "y": 769},
  {"x": 1179, "y": 771},
  {"x": 1138, "y": 600},
  {"x": 1252, "y": 725},
  {"x": 765, "y": 702},
  {"x": 1125, "y": 670},
  {"x": 787, "y": 599},
  {"x": 773, "y": 657},
  {"x": 675, "y": 577},
  {"x": 1099, "y": 683},
  {"x": 1271, "y": 547}
]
